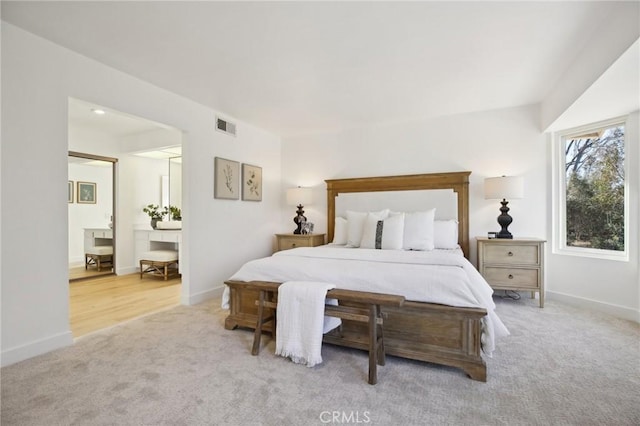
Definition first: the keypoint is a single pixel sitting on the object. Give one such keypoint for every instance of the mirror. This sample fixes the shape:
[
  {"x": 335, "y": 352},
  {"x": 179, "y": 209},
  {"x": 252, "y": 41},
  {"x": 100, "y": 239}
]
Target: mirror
[
  {"x": 165, "y": 164},
  {"x": 164, "y": 190},
  {"x": 90, "y": 218},
  {"x": 175, "y": 182}
]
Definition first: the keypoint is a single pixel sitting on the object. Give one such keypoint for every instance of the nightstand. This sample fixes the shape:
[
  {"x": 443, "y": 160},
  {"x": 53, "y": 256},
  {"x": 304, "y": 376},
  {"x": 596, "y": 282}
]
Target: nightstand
[
  {"x": 289, "y": 241},
  {"x": 516, "y": 264}
]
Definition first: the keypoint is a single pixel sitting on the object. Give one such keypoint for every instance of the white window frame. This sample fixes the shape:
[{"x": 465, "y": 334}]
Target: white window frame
[{"x": 559, "y": 204}]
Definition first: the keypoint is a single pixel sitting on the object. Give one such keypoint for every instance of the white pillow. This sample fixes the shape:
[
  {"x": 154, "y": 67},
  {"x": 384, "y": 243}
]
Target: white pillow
[
  {"x": 445, "y": 234},
  {"x": 418, "y": 230},
  {"x": 340, "y": 231},
  {"x": 355, "y": 225},
  {"x": 385, "y": 234}
]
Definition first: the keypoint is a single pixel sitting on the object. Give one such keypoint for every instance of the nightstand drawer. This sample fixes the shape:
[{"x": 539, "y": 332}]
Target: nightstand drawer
[
  {"x": 511, "y": 277},
  {"x": 286, "y": 243},
  {"x": 512, "y": 254},
  {"x": 291, "y": 241}
]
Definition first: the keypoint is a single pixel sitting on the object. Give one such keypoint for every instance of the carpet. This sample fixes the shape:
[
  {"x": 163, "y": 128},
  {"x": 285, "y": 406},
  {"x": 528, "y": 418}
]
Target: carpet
[{"x": 561, "y": 366}]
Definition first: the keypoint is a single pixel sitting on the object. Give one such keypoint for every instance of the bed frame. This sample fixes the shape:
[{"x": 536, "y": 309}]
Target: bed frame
[{"x": 439, "y": 334}]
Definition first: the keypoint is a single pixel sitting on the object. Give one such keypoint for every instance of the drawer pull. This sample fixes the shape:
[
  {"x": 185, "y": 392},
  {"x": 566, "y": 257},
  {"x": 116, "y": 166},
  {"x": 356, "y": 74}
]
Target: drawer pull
[
  {"x": 510, "y": 276},
  {"x": 293, "y": 245},
  {"x": 510, "y": 254}
]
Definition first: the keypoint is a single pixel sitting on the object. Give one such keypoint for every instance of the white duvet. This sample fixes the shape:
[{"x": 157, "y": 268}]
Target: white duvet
[{"x": 439, "y": 276}]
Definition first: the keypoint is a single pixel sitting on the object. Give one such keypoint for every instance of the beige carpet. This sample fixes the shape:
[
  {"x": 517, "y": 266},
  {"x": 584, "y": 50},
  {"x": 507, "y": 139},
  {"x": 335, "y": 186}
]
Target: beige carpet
[{"x": 560, "y": 366}]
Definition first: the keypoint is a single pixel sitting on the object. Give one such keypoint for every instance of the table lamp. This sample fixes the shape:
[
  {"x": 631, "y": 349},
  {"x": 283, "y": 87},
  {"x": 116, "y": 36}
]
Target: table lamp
[
  {"x": 299, "y": 197},
  {"x": 504, "y": 187}
]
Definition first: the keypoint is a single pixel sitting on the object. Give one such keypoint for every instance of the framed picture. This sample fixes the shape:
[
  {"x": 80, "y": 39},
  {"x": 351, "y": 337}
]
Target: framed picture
[
  {"x": 307, "y": 228},
  {"x": 251, "y": 183},
  {"x": 86, "y": 193},
  {"x": 70, "y": 192},
  {"x": 226, "y": 179}
]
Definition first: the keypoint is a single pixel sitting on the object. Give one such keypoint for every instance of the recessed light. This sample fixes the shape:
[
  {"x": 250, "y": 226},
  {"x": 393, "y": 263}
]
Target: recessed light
[{"x": 98, "y": 111}]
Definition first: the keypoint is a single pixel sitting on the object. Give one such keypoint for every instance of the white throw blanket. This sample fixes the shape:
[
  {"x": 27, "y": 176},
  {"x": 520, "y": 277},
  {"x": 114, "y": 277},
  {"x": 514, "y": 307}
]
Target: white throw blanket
[{"x": 301, "y": 321}]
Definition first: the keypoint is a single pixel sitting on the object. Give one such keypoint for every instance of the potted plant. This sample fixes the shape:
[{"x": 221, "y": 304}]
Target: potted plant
[
  {"x": 156, "y": 213},
  {"x": 175, "y": 212}
]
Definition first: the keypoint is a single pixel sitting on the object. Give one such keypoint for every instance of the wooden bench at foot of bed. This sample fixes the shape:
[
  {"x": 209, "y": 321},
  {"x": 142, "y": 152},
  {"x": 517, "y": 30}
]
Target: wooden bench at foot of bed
[
  {"x": 440, "y": 334},
  {"x": 371, "y": 315}
]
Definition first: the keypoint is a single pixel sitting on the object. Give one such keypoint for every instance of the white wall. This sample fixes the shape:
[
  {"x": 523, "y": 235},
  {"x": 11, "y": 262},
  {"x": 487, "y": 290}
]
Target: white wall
[
  {"x": 491, "y": 143},
  {"x": 606, "y": 285},
  {"x": 38, "y": 77},
  {"x": 584, "y": 93}
]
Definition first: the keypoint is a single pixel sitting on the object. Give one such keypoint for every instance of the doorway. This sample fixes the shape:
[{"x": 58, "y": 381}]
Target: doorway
[{"x": 131, "y": 159}]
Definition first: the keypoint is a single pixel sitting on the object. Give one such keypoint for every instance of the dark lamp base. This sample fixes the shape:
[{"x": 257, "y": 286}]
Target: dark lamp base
[
  {"x": 299, "y": 219},
  {"x": 506, "y": 235},
  {"x": 504, "y": 220}
]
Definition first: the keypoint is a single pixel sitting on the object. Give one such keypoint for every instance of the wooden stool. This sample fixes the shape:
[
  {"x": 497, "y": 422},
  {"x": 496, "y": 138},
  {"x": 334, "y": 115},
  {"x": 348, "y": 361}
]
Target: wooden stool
[
  {"x": 159, "y": 263},
  {"x": 371, "y": 315},
  {"x": 99, "y": 256}
]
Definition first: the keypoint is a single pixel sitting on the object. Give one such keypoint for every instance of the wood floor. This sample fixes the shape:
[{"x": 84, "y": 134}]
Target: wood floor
[
  {"x": 79, "y": 272},
  {"x": 102, "y": 302}
]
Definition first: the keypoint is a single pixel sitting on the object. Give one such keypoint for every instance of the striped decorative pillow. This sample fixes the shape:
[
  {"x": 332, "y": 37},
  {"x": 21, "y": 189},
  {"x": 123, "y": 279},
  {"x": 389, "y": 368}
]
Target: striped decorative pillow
[
  {"x": 355, "y": 225},
  {"x": 383, "y": 234}
]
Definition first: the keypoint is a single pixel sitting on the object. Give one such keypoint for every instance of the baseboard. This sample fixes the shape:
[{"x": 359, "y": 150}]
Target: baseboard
[
  {"x": 39, "y": 347},
  {"x": 608, "y": 308},
  {"x": 194, "y": 299},
  {"x": 128, "y": 270}
]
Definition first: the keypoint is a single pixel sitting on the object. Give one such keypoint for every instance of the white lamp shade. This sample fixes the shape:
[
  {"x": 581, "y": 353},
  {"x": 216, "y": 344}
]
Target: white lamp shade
[
  {"x": 504, "y": 187},
  {"x": 299, "y": 195}
]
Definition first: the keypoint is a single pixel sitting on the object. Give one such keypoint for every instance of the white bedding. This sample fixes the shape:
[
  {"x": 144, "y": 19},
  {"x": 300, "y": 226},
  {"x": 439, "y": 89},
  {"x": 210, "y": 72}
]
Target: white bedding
[{"x": 438, "y": 276}]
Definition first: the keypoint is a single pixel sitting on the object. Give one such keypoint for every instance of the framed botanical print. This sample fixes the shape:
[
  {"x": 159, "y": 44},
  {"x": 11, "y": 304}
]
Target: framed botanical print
[
  {"x": 251, "y": 183},
  {"x": 86, "y": 193},
  {"x": 226, "y": 179},
  {"x": 70, "y": 192}
]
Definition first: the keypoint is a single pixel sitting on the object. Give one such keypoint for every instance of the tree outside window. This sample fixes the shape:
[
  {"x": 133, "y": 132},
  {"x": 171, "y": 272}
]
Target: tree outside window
[{"x": 595, "y": 185}]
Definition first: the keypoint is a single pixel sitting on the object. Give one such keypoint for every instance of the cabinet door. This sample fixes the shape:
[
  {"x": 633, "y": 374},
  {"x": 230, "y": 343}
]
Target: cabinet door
[
  {"x": 170, "y": 236},
  {"x": 88, "y": 240},
  {"x": 164, "y": 236},
  {"x": 141, "y": 244}
]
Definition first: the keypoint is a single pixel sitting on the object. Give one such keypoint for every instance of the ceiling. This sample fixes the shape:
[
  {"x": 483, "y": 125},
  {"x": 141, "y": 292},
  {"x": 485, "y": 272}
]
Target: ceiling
[
  {"x": 616, "y": 93},
  {"x": 304, "y": 67},
  {"x": 119, "y": 125},
  {"x": 113, "y": 123}
]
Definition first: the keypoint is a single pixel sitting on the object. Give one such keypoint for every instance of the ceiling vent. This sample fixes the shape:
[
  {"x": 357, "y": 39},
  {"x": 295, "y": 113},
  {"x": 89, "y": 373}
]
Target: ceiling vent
[{"x": 225, "y": 126}]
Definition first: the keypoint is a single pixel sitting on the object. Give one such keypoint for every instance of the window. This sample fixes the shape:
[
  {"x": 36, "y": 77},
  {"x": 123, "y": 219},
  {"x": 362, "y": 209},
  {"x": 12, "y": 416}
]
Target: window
[{"x": 591, "y": 212}]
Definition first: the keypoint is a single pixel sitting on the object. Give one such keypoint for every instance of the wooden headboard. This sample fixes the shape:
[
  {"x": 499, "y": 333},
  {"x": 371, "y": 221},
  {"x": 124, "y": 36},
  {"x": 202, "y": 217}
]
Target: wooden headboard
[{"x": 457, "y": 181}]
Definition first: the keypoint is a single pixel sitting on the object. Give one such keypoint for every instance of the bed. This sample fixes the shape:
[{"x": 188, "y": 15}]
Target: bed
[{"x": 449, "y": 320}]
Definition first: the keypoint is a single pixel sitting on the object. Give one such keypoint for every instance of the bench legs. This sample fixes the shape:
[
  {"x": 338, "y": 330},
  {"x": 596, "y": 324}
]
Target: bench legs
[
  {"x": 373, "y": 316},
  {"x": 255, "y": 350},
  {"x": 159, "y": 269},
  {"x": 97, "y": 259},
  {"x": 262, "y": 303},
  {"x": 376, "y": 344}
]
